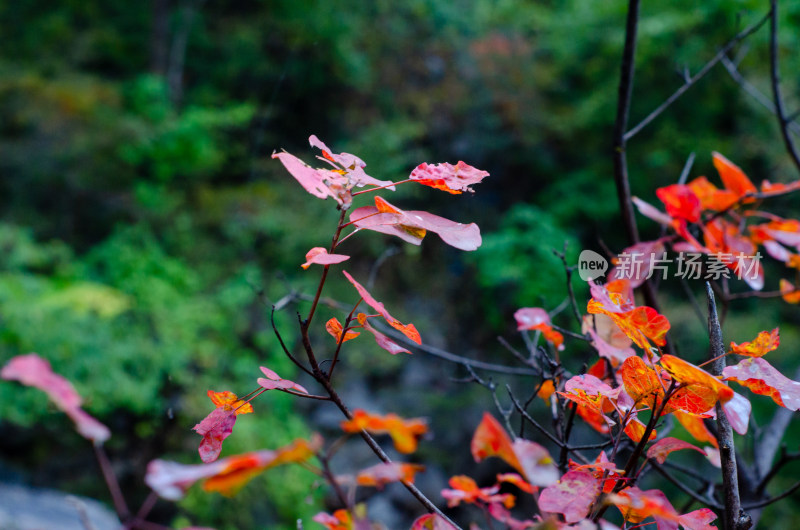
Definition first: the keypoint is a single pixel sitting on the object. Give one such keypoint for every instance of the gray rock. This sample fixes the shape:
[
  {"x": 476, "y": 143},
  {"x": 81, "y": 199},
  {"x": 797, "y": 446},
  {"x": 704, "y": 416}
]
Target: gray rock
[{"x": 23, "y": 508}]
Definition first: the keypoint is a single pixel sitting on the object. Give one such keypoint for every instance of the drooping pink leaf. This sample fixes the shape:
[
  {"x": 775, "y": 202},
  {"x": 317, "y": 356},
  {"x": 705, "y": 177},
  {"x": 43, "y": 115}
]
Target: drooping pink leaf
[
  {"x": 409, "y": 330},
  {"x": 538, "y": 466},
  {"x": 351, "y": 165},
  {"x": 738, "y": 412},
  {"x": 411, "y": 226},
  {"x": 648, "y": 210},
  {"x": 447, "y": 177},
  {"x": 665, "y": 446},
  {"x": 31, "y": 370},
  {"x": 762, "y": 378},
  {"x": 698, "y": 520},
  {"x": 572, "y": 496},
  {"x": 214, "y": 428},
  {"x": 320, "y": 256},
  {"x": 273, "y": 381},
  {"x": 317, "y": 182},
  {"x": 383, "y": 341}
]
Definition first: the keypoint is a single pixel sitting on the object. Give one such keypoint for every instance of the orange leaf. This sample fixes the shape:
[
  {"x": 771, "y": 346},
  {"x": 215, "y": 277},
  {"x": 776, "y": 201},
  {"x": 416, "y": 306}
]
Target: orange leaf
[
  {"x": 406, "y": 329},
  {"x": 334, "y": 327},
  {"x": 696, "y": 380},
  {"x": 228, "y": 399},
  {"x": 711, "y": 197},
  {"x": 732, "y": 176},
  {"x": 635, "y": 429},
  {"x": 680, "y": 202},
  {"x": 641, "y": 382},
  {"x": 404, "y": 433},
  {"x": 381, "y": 474},
  {"x": 695, "y": 426},
  {"x": 640, "y": 323},
  {"x": 546, "y": 390},
  {"x": 490, "y": 439},
  {"x": 765, "y": 342},
  {"x": 789, "y": 292}
]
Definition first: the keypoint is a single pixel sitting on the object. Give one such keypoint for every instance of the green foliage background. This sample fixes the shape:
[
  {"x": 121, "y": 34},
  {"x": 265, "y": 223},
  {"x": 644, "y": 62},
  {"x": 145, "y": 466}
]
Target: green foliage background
[{"x": 145, "y": 230}]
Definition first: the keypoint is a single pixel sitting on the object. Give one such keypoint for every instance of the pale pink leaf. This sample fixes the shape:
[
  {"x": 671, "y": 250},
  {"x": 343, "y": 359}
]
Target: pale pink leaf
[
  {"x": 275, "y": 382},
  {"x": 737, "y": 409},
  {"x": 665, "y": 446},
  {"x": 406, "y": 329},
  {"x": 698, "y": 520},
  {"x": 528, "y": 317},
  {"x": 762, "y": 378},
  {"x": 536, "y": 462},
  {"x": 320, "y": 256},
  {"x": 650, "y": 211},
  {"x": 572, "y": 496},
  {"x": 352, "y": 165},
  {"x": 447, "y": 177}
]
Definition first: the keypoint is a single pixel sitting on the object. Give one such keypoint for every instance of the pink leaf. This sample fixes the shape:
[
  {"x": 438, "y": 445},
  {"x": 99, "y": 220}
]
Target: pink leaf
[
  {"x": 737, "y": 409},
  {"x": 406, "y": 329},
  {"x": 447, "y": 177},
  {"x": 698, "y": 520},
  {"x": 320, "y": 256},
  {"x": 529, "y": 317},
  {"x": 350, "y": 164},
  {"x": 314, "y": 181},
  {"x": 383, "y": 341},
  {"x": 762, "y": 378},
  {"x": 665, "y": 446},
  {"x": 32, "y": 370},
  {"x": 214, "y": 428},
  {"x": 275, "y": 382},
  {"x": 651, "y": 211},
  {"x": 537, "y": 464},
  {"x": 572, "y": 496}
]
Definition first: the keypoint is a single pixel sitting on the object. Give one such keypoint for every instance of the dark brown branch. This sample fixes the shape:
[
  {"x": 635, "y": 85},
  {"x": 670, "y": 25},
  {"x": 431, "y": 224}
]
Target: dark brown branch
[
  {"x": 775, "y": 76},
  {"x": 696, "y": 77},
  {"x": 684, "y": 488},
  {"x": 734, "y": 518},
  {"x": 120, "y": 506},
  {"x": 767, "y": 502}
]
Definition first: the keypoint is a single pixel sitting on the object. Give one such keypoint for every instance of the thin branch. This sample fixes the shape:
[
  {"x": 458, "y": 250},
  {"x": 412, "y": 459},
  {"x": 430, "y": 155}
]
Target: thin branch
[
  {"x": 733, "y": 516},
  {"x": 767, "y": 502},
  {"x": 775, "y": 76},
  {"x": 283, "y": 345},
  {"x": 111, "y": 482},
  {"x": 684, "y": 488},
  {"x": 696, "y": 77}
]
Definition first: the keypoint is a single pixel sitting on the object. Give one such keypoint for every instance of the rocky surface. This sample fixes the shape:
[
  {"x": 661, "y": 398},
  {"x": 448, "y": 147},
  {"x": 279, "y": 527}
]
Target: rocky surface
[{"x": 24, "y": 508}]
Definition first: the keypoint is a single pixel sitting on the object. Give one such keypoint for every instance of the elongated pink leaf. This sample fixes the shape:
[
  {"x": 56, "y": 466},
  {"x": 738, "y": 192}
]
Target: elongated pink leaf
[
  {"x": 275, "y": 382},
  {"x": 214, "y": 428},
  {"x": 32, "y": 370},
  {"x": 571, "y": 496},
  {"x": 409, "y": 330},
  {"x": 648, "y": 210},
  {"x": 320, "y": 256},
  {"x": 665, "y": 446},
  {"x": 737, "y": 409},
  {"x": 762, "y": 378},
  {"x": 383, "y": 341}
]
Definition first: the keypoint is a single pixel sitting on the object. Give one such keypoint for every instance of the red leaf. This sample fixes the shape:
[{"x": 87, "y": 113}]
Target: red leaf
[
  {"x": 32, "y": 370},
  {"x": 700, "y": 390},
  {"x": 641, "y": 324},
  {"x": 711, "y": 197},
  {"x": 431, "y": 521},
  {"x": 789, "y": 292},
  {"x": 637, "y": 505},
  {"x": 411, "y": 226},
  {"x": 320, "y": 256},
  {"x": 641, "y": 382},
  {"x": 732, "y": 176},
  {"x": 406, "y": 329},
  {"x": 273, "y": 381},
  {"x": 698, "y": 520},
  {"x": 447, "y": 177},
  {"x": 464, "y": 489},
  {"x": 762, "y": 378},
  {"x": 572, "y": 496},
  {"x": 214, "y": 428},
  {"x": 695, "y": 426},
  {"x": 491, "y": 439},
  {"x": 665, "y": 446},
  {"x": 765, "y": 342},
  {"x": 680, "y": 201},
  {"x": 383, "y": 341}
]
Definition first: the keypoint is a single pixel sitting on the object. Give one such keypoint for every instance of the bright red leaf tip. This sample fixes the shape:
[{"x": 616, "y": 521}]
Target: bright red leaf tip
[
  {"x": 665, "y": 446},
  {"x": 447, "y": 177},
  {"x": 404, "y": 433},
  {"x": 274, "y": 381},
  {"x": 32, "y": 370},
  {"x": 572, "y": 496},
  {"x": 406, "y": 329},
  {"x": 320, "y": 256},
  {"x": 171, "y": 480},
  {"x": 412, "y": 226},
  {"x": 536, "y": 318},
  {"x": 765, "y": 342},
  {"x": 762, "y": 378},
  {"x": 681, "y": 202}
]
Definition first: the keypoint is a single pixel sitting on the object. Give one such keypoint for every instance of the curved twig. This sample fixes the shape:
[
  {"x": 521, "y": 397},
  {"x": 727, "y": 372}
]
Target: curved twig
[{"x": 780, "y": 110}]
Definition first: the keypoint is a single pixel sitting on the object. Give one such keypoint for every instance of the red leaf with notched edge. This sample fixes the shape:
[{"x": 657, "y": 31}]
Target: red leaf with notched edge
[
  {"x": 765, "y": 342},
  {"x": 572, "y": 496},
  {"x": 406, "y": 329},
  {"x": 680, "y": 201},
  {"x": 32, "y": 370},
  {"x": 214, "y": 428},
  {"x": 404, "y": 433},
  {"x": 447, "y": 177},
  {"x": 171, "y": 480},
  {"x": 640, "y": 381},
  {"x": 732, "y": 176},
  {"x": 412, "y": 226},
  {"x": 320, "y": 256},
  {"x": 665, "y": 446},
  {"x": 231, "y": 400},
  {"x": 382, "y": 340},
  {"x": 334, "y": 327},
  {"x": 762, "y": 378},
  {"x": 275, "y": 382}
]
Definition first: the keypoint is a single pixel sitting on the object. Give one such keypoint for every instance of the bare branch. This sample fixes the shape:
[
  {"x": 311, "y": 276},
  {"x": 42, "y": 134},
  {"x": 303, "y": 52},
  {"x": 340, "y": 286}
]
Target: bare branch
[{"x": 780, "y": 110}]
